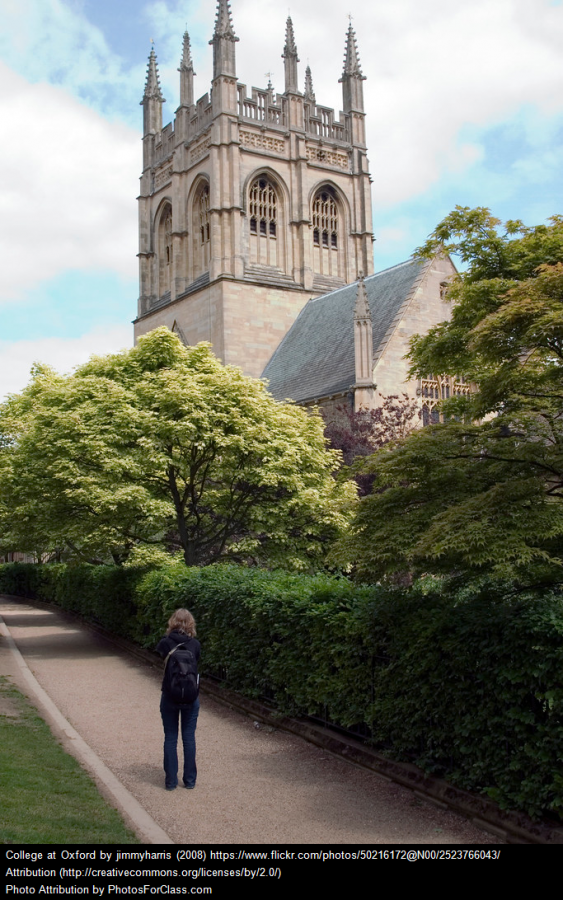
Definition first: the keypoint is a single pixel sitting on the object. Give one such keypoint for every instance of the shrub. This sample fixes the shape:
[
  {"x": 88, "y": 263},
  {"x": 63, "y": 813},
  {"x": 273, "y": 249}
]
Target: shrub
[{"x": 466, "y": 682}]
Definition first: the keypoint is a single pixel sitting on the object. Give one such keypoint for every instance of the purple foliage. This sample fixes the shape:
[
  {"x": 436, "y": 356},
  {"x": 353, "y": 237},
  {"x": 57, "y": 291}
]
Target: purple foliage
[{"x": 359, "y": 434}]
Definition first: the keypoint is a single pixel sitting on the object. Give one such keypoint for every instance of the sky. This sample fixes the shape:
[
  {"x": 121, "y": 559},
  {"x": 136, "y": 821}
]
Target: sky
[{"x": 464, "y": 104}]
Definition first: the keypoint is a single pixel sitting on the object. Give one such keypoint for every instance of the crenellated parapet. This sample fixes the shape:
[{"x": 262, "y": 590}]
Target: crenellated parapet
[{"x": 293, "y": 110}]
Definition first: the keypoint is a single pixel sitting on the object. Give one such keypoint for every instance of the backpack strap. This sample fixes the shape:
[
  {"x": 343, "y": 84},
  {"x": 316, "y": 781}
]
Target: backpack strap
[{"x": 183, "y": 644}]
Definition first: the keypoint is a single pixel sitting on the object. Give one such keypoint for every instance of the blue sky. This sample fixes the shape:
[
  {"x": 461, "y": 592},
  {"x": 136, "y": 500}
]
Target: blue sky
[{"x": 464, "y": 106}]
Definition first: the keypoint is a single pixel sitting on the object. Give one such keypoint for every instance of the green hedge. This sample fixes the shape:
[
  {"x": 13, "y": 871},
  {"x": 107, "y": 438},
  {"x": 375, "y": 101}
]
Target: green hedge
[
  {"x": 102, "y": 594},
  {"x": 467, "y": 684}
]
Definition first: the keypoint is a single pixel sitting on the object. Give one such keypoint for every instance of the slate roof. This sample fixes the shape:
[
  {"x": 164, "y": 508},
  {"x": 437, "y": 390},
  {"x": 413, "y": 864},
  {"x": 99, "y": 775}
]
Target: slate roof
[{"x": 316, "y": 357}]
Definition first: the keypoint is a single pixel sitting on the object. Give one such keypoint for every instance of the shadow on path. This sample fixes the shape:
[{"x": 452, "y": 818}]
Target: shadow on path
[{"x": 255, "y": 786}]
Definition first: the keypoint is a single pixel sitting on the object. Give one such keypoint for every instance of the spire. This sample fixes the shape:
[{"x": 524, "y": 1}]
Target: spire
[
  {"x": 352, "y": 88},
  {"x": 223, "y": 24},
  {"x": 152, "y": 98},
  {"x": 187, "y": 73},
  {"x": 290, "y": 57},
  {"x": 290, "y": 49},
  {"x": 309, "y": 91},
  {"x": 152, "y": 84},
  {"x": 186, "y": 62},
  {"x": 351, "y": 57},
  {"x": 223, "y": 41}
]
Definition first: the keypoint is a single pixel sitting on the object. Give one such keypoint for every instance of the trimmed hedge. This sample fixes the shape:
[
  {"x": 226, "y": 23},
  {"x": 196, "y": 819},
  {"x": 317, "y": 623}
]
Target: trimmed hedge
[
  {"x": 467, "y": 684},
  {"x": 102, "y": 594}
]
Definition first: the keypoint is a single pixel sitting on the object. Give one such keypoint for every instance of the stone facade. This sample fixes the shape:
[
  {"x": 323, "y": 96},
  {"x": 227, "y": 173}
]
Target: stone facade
[
  {"x": 424, "y": 307},
  {"x": 249, "y": 205}
]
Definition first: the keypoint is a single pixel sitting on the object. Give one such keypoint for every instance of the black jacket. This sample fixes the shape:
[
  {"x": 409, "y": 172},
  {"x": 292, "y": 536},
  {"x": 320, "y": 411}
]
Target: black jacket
[{"x": 169, "y": 641}]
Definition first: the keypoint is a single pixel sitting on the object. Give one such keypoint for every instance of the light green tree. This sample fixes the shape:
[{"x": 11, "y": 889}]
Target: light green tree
[
  {"x": 484, "y": 490},
  {"x": 163, "y": 447}
]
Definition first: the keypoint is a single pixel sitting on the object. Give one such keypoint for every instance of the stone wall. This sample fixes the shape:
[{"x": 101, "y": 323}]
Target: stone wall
[
  {"x": 424, "y": 308},
  {"x": 244, "y": 322}
]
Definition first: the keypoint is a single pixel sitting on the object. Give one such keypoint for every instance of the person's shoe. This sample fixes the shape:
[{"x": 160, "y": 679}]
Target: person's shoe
[
  {"x": 173, "y": 788},
  {"x": 189, "y": 787}
]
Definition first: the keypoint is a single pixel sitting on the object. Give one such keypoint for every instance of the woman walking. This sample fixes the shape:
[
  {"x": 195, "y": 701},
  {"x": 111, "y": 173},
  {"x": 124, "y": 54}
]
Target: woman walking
[{"x": 179, "y": 703}]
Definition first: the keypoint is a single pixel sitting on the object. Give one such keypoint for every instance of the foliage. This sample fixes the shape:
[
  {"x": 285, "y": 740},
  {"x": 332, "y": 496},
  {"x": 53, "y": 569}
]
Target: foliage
[
  {"x": 463, "y": 680},
  {"x": 506, "y": 328},
  {"x": 360, "y": 433},
  {"x": 483, "y": 491},
  {"x": 101, "y": 594},
  {"x": 162, "y": 446}
]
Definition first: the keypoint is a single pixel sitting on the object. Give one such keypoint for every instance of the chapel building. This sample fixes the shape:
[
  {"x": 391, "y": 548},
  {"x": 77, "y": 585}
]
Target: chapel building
[
  {"x": 249, "y": 205},
  {"x": 255, "y": 234}
]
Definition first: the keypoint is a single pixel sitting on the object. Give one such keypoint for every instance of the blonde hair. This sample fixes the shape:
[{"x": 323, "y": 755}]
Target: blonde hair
[{"x": 182, "y": 620}]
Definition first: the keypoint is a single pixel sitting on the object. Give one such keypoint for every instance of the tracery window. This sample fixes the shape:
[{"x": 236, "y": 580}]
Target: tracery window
[
  {"x": 168, "y": 237},
  {"x": 263, "y": 222},
  {"x": 165, "y": 251},
  {"x": 325, "y": 221},
  {"x": 435, "y": 388},
  {"x": 201, "y": 231},
  {"x": 203, "y": 207}
]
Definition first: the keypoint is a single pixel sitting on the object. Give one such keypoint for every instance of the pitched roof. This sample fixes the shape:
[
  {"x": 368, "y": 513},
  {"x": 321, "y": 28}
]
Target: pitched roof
[{"x": 316, "y": 357}]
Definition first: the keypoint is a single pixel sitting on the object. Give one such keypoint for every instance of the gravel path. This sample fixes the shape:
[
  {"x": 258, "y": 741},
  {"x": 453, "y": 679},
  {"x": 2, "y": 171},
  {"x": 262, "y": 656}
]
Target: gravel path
[{"x": 255, "y": 785}]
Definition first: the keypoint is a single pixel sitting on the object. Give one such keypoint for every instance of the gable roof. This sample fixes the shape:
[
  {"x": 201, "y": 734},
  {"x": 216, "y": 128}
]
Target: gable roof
[{"x": 316, "y": 357}]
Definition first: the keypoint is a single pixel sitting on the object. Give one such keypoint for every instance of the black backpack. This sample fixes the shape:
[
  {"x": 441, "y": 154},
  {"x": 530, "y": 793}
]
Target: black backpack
[{"x": 181, "y": 679}]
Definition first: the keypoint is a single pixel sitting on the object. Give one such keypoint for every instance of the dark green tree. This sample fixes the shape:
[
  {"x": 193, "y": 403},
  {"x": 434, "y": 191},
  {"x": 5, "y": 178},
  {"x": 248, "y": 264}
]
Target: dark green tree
[{"x": 483, "y": 491}]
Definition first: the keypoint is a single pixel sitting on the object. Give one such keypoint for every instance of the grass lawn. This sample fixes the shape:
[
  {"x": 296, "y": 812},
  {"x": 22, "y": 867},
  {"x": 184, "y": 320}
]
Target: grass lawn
[{"x": 46, "y": 797}]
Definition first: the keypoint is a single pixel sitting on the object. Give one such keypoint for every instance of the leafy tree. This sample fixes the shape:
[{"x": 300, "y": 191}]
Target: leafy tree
[
  {"x": 164, "y": 447},
  {"x": 360, "y": 433},
  {"x": 484, "y": 490}
]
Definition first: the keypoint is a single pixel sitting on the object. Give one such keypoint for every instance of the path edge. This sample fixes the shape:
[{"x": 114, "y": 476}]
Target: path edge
[
  {"x": 511, "y": 826},
  {"x": 135, "y": 816}
]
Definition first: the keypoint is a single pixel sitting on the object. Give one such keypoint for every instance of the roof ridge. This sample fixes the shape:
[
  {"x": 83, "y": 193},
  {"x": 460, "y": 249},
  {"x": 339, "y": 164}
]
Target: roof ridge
[
  {"x": 407, "y": 262},
  {"x": 367, "y": 278}
]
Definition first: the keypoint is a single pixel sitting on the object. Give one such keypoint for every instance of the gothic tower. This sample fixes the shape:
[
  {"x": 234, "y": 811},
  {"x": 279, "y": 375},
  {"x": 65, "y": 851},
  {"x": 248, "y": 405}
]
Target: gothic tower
[{"x": 249, "y": 205}]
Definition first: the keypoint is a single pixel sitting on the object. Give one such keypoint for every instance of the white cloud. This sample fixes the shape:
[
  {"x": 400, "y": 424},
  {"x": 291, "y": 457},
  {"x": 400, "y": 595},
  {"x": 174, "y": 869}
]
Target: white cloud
[
  {"x": 17, "y": 358},
  {"x": 53, "y": 41},
  {"x": 432, "y": 69},
  {"x": 68, "y": 183},
  {"x": 440, "y": 73}
]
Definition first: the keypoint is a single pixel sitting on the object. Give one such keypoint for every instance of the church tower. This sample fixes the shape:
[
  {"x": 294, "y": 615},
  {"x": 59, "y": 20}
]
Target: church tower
[{"x": 249, "y": 204}]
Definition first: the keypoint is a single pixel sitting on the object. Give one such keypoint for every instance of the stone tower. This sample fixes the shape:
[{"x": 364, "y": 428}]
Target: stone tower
[{"x": 249, "y": 205}]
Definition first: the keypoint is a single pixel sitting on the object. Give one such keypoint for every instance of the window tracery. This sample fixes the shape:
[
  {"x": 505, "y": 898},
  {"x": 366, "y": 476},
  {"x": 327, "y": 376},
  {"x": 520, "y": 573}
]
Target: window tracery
[
  {"x": 204, "y": 215},
  {"x": 165, "y": 252},
  {"x": 325, "y": 222},
  {"x": 263, "y": 222},
  {"x": 435, "y": 388},
  {"x": 201, "y": 231}
]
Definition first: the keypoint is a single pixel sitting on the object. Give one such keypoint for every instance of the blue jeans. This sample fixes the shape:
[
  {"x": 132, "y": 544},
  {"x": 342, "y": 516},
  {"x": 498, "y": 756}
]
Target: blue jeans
[{"x": 171, "y": 713}]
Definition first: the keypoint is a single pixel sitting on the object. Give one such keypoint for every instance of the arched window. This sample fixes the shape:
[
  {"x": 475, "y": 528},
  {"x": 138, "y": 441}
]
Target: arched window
[
  {"x": 201, "y": 231},
  {"x": 165, "y": 251},
  {"x": 263, "y": 223},
  {"x": 326, "y": 237},
  {"x": 435, "y": 388}
]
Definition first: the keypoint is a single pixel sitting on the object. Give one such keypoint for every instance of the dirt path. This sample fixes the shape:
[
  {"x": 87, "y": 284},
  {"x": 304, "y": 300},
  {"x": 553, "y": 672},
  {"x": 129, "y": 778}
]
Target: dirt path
[{"x": 255, "y": 786}]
